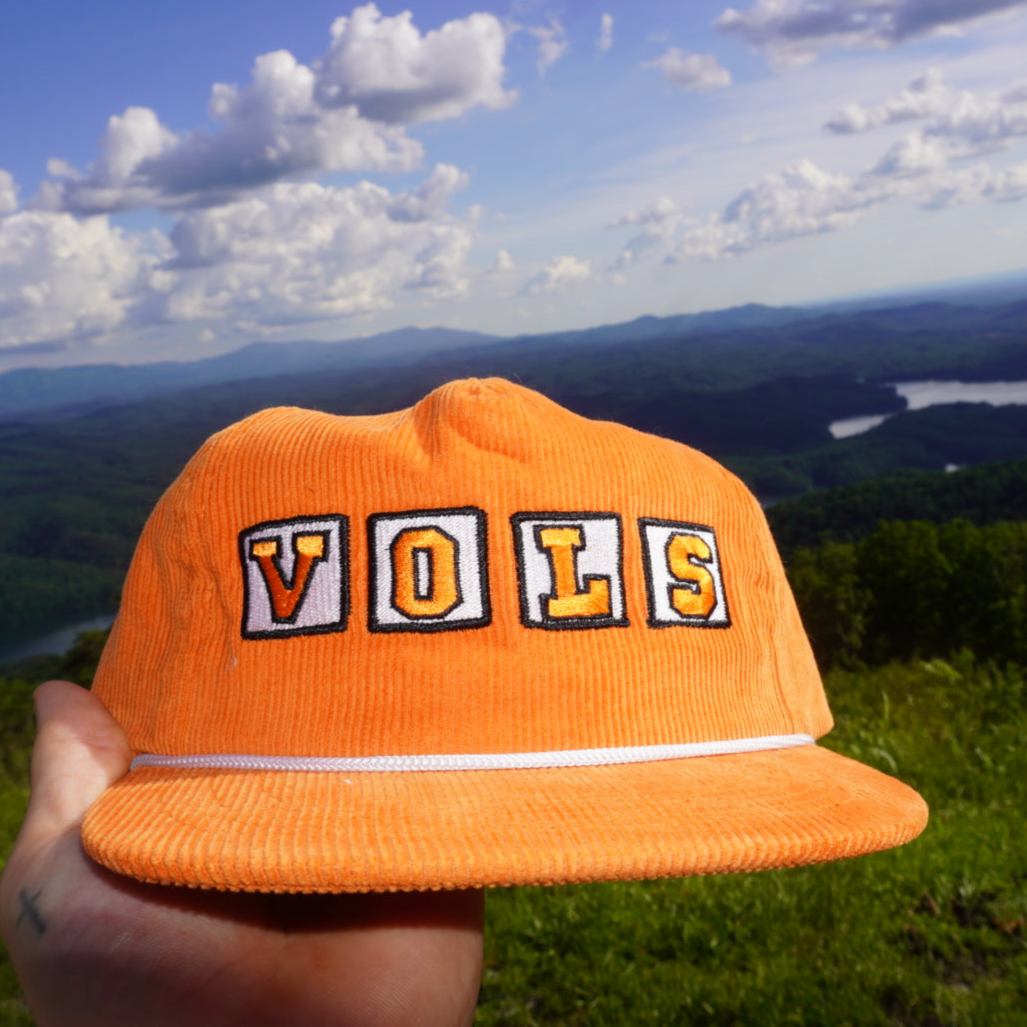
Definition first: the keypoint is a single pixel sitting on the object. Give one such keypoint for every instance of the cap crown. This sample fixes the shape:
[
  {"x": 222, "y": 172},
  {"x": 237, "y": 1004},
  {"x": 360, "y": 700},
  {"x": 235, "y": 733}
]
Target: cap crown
[{"x": 485, "y": 572}]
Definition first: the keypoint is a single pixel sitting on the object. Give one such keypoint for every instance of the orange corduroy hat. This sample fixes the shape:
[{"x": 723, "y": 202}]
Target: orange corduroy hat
[{"x": 483, "y": 641}]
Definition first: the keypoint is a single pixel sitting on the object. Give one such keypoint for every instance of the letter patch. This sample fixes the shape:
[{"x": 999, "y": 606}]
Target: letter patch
[
  {"x": 570, "y": 570},
  {"x": 428, "y": 570},
  {"x": 295, "y": 576},
  {"x": 683, "y": 575}
]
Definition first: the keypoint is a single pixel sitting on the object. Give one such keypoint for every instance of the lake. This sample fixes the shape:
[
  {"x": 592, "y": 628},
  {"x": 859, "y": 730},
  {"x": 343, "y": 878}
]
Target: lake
[
  {"x": 920, "y": 395},
  {"x": 58, "y": 641}
]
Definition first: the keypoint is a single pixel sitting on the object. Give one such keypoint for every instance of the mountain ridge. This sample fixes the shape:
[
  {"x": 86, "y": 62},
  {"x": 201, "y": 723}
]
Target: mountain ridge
[
  {"x": 77, "y": 389},
  {"x": 720, "y": 342}
]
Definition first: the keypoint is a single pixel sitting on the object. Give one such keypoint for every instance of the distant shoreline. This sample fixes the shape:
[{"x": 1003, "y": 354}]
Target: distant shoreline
[
  {"x": 56, "y": 642},
  {"x": 922, "y": 394}
]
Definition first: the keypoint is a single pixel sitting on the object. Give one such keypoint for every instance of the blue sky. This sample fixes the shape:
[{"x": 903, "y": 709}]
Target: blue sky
[{"x": 177, "y": 180}]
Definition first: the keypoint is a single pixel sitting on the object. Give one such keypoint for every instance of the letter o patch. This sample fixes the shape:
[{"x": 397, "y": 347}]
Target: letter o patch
[{"x": 428, "y": 570}]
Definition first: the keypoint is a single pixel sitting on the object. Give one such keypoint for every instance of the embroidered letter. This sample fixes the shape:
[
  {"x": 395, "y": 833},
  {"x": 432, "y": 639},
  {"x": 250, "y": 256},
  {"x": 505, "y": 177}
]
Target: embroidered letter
[
  {"x": 567, "y": 601},
  {"x": 570, "y": 570},
  {"x": 684, "y": 580},
  {"x": 285, "y": 599},
  {"x": 424, "y": 581},
  {"x": 295, "y": 576},
  {"x": 697, "y": 597},
  {"x": 428, "y": 570}
]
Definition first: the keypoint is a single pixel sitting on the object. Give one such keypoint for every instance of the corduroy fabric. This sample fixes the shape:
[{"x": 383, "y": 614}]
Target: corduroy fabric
[{"x": 183, "y": 678}]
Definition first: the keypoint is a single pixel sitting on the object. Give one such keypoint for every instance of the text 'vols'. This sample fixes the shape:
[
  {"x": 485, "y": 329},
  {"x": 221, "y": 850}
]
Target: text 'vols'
[{"x": 428, "y": 571}]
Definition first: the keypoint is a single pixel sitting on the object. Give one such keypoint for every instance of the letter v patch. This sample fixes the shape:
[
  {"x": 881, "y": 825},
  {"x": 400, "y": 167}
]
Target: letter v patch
[{"x": 295, "y": 576}]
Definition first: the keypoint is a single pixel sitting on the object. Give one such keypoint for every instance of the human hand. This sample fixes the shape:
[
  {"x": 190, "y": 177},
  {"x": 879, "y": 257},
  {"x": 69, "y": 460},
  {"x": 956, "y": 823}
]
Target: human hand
[{"x": 95, "y": 948}]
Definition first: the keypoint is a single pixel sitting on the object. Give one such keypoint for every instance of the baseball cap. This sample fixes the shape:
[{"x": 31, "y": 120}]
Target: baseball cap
[{"x": 481, "y": 641}]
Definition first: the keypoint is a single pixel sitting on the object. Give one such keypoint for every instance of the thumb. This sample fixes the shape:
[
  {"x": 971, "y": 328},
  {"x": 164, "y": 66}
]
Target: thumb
[{"x": 80, "y": 751}]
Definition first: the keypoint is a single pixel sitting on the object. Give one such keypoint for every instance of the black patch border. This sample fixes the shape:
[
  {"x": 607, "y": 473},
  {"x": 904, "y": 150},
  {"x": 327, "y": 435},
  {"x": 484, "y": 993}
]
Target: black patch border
[
  {"x": 691, "y": 621},
  {"x": 567, "y": 519},
  {"x": 430, "y": 624},
  {"x": 342, "y": 520}
]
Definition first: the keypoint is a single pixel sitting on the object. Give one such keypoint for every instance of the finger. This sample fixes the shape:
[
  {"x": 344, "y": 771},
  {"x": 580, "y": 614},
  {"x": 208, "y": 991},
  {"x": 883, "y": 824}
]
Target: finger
[
  {"x": 410, "y": 958},
  {"x": 446, "y": 910},
  {"x": 80, "y": 751},
  {"x": 424, "y": 968}
]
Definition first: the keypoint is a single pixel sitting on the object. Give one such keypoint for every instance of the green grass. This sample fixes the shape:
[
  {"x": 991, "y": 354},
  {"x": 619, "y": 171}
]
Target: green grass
[
  {"x": 929, "y": 934},
  {"x": 933, "y": 934},
  {"x": 16, "y": 733}
]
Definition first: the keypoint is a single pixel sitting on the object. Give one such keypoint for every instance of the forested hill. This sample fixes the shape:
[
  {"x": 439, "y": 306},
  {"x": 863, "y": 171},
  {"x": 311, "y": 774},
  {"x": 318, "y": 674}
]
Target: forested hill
[
  {"x": 72, "y": 391},
  {"x": 983, "y": 495},
  {"x": 76, "y": 489},
  {"x": 615, "y": 367},
  {"x": 911, "y": 565}
]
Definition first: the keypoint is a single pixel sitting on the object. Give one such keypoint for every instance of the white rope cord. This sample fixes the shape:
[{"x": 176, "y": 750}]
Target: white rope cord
[{"x": 475, "y": 761}]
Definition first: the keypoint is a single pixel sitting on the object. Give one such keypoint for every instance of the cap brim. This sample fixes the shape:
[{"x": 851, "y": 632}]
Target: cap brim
[{"x": 336, "y": 832}]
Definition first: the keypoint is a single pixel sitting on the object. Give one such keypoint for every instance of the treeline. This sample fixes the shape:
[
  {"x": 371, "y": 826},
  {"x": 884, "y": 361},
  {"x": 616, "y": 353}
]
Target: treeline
[
  {"x": 933, "y": 439},
  {"x": 916, "y": 589},
  {"x": 984, "y": 495},
  {"x": 912, "y": 565},
  {"x": 74, "y": 493}
]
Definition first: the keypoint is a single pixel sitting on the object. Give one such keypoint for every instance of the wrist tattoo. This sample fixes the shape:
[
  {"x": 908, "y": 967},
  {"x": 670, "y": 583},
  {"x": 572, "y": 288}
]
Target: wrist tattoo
[{"x": 30, "y": 911}]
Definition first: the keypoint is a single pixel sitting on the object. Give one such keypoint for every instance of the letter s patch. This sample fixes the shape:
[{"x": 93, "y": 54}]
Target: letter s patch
[{"x": 684, "y": 580}]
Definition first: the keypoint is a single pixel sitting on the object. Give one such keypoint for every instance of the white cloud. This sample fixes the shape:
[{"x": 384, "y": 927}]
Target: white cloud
[
  {"x": 393, "y": 74},
  {"x": 131, "y": 140},
  {"x": 605, "y": 40},
  {"x": 911, "y": 156},
  {"x": 970, "y": 124},
  {"x": 502, "y": 263},
  {"x": 983, "y": 123},
  {"x": 1017, "y": 93},
  {"x": 552, "y": 44},
  {"x": 658, "y": 222},
  {"x": 59, "y": 168},
  {"x": 64, "y": 279},
  {"x": 304, "y": 252},
  {"x": 957, "y": 125},
  {"x": 8, "y": 193},
  {"x": 664, "y": 211},
  {"x": 691, "y": 71},
  {"x": 347, "y": 112},
  {"x": 288, "y": 253},
  {"x": 795, "y": 32},
  {"x": 558, "y": 275},
  {"x": 926, "y": 96},
  {"x": 927, "y": 167},
  {"x": 430, "y": 198},
  {"x": 800, "y": 200},
  {"x": 956, "y": 186},
  {"x": 1009, "y": 185}
]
